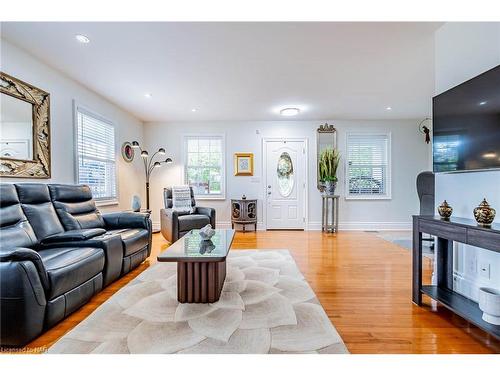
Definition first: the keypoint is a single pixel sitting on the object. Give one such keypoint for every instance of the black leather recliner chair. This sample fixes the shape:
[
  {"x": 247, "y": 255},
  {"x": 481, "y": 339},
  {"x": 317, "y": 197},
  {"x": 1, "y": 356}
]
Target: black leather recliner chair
[
  {"x": 175, "y": 224},
  {"x": 56, "y": 252}
]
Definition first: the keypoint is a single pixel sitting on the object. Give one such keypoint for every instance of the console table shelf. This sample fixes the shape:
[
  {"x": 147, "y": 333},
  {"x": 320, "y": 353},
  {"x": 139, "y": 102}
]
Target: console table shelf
[
  {"x": 462, "y": 306},
  {"x": 447, "y": 231}
]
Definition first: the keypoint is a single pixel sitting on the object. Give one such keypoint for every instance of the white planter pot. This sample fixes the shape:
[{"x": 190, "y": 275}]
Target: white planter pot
[{"x": 489, "y": 303}]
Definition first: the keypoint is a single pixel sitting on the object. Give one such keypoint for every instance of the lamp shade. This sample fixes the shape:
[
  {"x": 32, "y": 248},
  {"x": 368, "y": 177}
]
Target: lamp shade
[
  {"x": 135, "y": 144},
  {"x": 161, "y": 151},
  {"x": 168, "y": 160},
  {"x": 156, "y": 164},
  {"x": 144, "y": 154}
]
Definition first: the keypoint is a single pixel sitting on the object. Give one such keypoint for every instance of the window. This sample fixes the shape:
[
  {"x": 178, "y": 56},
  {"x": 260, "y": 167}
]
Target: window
[
  {"x": 95, "y": 147},
  {"x": 205, "y": 165},
  {"x": 368, "y": 166}
]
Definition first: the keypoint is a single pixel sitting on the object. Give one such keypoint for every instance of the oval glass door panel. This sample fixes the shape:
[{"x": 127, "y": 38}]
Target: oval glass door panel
[{"x": 285, "y": 174}]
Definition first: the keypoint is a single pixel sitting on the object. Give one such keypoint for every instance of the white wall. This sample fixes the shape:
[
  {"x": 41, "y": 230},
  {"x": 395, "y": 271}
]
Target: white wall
[
  {"x": 409, "y": 157},
  {"x": 463, "y": 51},
  {"x": 63, "y": 91}
]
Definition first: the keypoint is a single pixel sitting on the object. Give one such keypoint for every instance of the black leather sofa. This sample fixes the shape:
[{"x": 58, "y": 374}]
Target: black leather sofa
[
  {"x": 175, "y": 224},
  {"x": 57, "y": 251}
]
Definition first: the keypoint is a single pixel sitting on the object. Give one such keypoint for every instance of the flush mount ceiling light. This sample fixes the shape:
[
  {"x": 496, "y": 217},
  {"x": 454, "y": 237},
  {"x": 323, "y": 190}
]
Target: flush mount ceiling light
[
  {"x": 490, "y": 155},
  {"x": 289, "y": 111},
  {"x": 148, "y": 95},
  {"x": 483, "y": 102},
  {"x": 82, "y": 38},
  {"x": 388, "y": 108},
  {"x": 193, "y": 110}
]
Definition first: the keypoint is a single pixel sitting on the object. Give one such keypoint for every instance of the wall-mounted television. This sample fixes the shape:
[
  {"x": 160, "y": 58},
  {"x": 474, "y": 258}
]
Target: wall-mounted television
[{"x": 466, "y": 125}]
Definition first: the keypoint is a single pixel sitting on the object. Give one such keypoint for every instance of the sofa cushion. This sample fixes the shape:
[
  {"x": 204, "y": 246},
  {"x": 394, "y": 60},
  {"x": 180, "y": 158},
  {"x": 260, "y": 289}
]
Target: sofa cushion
[
  {"x": 38, "y": 208},
  {"x": 15, "y": 230},
  {"x": 69, "y": 267},
  {"x": 188, "y": 222},
  {"x": 75, "y": 206},
  {"x": 133, "y": 239}
]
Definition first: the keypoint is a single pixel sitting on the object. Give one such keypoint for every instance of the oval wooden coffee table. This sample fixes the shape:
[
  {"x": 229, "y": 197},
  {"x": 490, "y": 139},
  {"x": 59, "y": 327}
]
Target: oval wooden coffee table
[{"x": 201, "y": 265}]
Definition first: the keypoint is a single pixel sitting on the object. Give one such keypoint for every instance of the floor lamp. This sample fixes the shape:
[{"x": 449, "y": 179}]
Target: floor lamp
[{"x": 150, "y": 165}]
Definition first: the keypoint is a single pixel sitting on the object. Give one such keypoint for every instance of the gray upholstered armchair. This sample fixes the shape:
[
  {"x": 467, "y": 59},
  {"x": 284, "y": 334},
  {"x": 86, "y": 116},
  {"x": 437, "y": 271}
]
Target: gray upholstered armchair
[{"x": 175, "y": 224}]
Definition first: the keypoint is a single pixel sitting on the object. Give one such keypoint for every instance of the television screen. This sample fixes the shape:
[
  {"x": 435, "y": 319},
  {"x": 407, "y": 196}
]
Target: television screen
[{"x": 466, "y": 125}]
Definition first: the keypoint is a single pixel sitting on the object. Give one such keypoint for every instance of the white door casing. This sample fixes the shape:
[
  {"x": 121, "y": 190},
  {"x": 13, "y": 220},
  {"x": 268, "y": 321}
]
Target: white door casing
[{"x": 285, "y": 191}]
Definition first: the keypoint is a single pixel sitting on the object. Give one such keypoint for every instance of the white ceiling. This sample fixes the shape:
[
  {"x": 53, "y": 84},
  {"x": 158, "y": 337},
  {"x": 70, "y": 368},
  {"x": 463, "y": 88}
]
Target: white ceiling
[{"x": 244, "y": 71}]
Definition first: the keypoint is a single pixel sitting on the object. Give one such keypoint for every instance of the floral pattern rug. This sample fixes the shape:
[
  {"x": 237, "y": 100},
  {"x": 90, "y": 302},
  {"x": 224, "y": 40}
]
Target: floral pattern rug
[{"x": 266, "y": 306}]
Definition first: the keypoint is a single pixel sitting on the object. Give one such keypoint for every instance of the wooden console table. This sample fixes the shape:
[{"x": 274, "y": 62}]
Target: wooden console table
[{"x": 456, "y": 229}]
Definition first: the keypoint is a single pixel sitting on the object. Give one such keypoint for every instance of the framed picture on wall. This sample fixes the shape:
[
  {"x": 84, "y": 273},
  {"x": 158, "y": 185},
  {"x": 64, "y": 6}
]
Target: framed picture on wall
[{"x": 243, "y": 164}]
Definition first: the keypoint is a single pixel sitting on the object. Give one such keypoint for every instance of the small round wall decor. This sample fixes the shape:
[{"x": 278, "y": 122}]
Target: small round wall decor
[{"x": 127, "y": 152}]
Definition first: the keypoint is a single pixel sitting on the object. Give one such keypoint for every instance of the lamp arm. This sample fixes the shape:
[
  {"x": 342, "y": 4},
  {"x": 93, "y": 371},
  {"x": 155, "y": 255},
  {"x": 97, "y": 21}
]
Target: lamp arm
[
  {"x": 151, "y": 159},
  {"x": 151, "y": 169},
  {"x": 146, "y": 168}
]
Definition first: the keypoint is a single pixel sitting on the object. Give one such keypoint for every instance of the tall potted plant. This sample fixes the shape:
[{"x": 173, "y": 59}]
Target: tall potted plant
[{"x": 329, "y": 160}]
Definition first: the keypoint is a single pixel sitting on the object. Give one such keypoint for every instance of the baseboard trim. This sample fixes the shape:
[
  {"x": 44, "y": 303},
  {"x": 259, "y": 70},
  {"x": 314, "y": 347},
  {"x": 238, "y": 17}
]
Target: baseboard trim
[
  {"x": 218, "y": 224},
  {"x": 316, "y": 226},
  {"x": 363, "y": 226},
  {"x": 227, "y": 225},
  {"x": 156, "y": 226}
]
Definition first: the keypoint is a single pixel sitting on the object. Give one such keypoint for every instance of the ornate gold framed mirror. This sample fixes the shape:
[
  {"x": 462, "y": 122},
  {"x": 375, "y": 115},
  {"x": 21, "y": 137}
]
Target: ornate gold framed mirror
[{"x": 24, "y": 129}]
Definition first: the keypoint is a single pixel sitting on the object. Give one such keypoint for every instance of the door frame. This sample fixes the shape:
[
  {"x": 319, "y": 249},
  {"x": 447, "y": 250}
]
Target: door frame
[{"x": 306, "y": 176}]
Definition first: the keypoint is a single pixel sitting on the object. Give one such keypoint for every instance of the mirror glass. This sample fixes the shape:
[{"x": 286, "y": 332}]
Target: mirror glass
[
  {"x": 16, "y": 128},
  {"x": 324, "y": 140}
]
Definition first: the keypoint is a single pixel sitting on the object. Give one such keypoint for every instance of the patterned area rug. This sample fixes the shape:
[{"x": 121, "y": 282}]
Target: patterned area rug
[{"x": 266, "y": 306}]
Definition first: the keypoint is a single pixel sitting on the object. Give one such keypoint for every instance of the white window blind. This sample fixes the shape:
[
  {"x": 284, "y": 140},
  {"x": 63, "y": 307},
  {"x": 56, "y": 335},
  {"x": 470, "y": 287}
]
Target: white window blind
[
  {"x": 205, "y": 165},
  {"x": 96, "y": 155},
  {"x": 368, "y": 166}
]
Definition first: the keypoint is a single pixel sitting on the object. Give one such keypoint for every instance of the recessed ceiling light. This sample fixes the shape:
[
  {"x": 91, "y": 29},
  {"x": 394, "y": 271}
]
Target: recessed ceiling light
[
  {"x": 82, "y": 38},
  {"x": 483, "y": 103},
  {"x": 193, "y": 110},
  {"x": 148, "y": 95},
  {"x": 289, "y": 111},
  {"x": 388, "y": 109}
]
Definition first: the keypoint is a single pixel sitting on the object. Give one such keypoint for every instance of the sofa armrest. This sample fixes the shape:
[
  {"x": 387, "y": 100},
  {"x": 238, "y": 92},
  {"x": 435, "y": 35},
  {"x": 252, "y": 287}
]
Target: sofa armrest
[
  {"x": 22, "y": 254},
  {"x": 73, "y": 235},
  {"x": 169, "y": 221},
  {"x": 22, "y": 296},
  {"x": 207, "y": 211},
  {"x": 118, "y": 220}
]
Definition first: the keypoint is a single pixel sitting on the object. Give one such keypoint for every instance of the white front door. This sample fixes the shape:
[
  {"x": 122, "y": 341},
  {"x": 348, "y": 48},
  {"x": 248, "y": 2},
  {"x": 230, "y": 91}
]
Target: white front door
[{"x": 285, "y": 178}]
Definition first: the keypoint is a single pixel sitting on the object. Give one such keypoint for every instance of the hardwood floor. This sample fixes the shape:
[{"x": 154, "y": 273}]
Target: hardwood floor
[{"x": 362, "y": 281}]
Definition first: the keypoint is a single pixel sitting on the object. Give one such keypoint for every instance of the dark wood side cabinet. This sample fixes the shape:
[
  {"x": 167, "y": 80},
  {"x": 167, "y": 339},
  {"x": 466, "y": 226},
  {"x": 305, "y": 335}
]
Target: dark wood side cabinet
[
  {"x": 244, "y": 212},
  {"x": 456, "y": 229}
]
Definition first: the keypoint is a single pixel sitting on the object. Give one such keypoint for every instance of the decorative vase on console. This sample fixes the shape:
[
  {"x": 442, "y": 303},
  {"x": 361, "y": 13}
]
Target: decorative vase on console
[
  {"x": 445, "y": 210},
  {"x": 484, "y": 214}
]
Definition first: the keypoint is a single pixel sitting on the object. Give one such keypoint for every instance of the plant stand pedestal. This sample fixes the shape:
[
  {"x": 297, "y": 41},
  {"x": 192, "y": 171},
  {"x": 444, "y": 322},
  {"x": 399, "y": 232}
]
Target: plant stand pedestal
[{"x": 330, "y": 213}]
